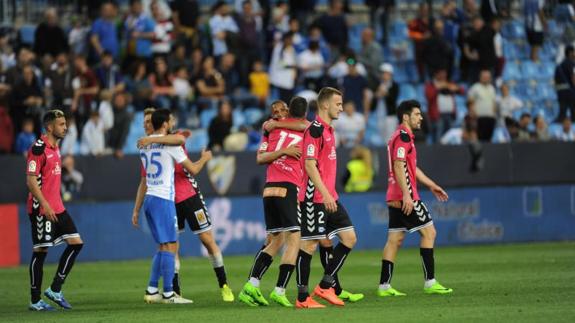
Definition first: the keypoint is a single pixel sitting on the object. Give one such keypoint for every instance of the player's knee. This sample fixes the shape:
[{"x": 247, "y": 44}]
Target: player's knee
[
  {"x": 429, "y": 233},
  {"x": 309, "y": 247},
  {"x": 349, "y": 240},
  {"x": 395, "y": 242},
  {"x": 325, "y": 243}
]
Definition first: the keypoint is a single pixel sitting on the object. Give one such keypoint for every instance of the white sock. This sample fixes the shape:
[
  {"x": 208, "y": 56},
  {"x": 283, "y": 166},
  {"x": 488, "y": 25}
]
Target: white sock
[
  {"x": 384, "y": 286},
  {"x": 217, "y": 260},
  {"x": 168, "y": 294},
  {"x": 152, "y": 290},
  {"x": 429, "y": 283},
  {"x": 255, "y": 282},
  {"x": 280, "y": 291}
]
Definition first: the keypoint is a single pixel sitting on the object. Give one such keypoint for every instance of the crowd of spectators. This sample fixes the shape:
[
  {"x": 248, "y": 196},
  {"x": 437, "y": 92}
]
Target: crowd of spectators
[{"x": 244, "y": 54}]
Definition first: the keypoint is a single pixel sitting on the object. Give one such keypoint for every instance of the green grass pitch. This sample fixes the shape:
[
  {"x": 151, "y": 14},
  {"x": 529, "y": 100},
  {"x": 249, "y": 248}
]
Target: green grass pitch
[{"x": 506, "y": 283}]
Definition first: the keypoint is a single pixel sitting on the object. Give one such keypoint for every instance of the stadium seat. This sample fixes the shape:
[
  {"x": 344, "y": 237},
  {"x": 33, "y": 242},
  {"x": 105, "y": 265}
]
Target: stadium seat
[
  {"x": 511, "y": 72},
  {"x": 253, "y": 115},
  {"x": 27, "y": 34},
  {"x": 530, "y": 70},
  {"x": 407, "y": 92},
  {"x": 238, "y": 118},
  {"x": 198, "y": 140},
  {"x": 399, "y": 30},
  {"x": 547, "y": 70},
  {"x": 206, "y": 117}
]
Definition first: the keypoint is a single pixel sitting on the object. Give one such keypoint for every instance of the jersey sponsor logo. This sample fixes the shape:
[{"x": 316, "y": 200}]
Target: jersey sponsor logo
[
  {"x": 57, "y": 169},
  {"x": 221, "y": 172},
  {"x": 333, "y": 154},
  {"x": 201, "y": 217},
  {"x": 32, "y": 166},
  {"x": 401, "y": 152},
  {"x": 311, "y": 150}
]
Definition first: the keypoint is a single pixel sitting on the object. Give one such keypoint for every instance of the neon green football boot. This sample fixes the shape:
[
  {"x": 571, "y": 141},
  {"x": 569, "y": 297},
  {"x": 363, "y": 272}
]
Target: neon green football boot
[
  {"x": 227, "y": 294},
  {"x": 280, "y": 299},
  {"x": 255, "y": 293},
  {"x": 437, "y": 288},
  {"x": 350, "y": 297},
  {"x": 389, "y": 292}
]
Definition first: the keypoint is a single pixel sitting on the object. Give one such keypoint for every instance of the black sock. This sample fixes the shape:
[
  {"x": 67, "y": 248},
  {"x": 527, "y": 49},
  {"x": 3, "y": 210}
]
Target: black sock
[
  {"x": 386, "y": 272},
  {"x": 221, "y": 275},
  {"x": 284, "y": 276},
  {"x": 326, "y": 254},
  {"x": 36, "y": 271},
  {"x": 303, "y": 269},
  {"x": 176, "y": 284},
  {"x": 65, "y": 266},
  {"x": 428, "y": 263},
  {"x": 261, "y": 265},
  {"x": 340, "y": 253}
]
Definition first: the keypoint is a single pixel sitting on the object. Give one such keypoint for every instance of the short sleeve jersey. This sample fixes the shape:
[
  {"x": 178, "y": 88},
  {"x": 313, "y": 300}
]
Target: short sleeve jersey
[
  {"x": 186, "y": 185},
  {"x": 158, "y": 161},
  {"x": 44, "y": 162},
  {"x": 401, "y": 147},
  {"x": 319, "y": 144},
  {"x": 285, "y": 168}
]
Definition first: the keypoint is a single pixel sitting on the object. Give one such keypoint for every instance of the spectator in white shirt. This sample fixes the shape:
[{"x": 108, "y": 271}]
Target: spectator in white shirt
[
  {"x": 183, "y": 92},
  {"x": 507, "y": 103},
  {"x": 482, "y": 96},
  {"x": 68, "y": 146},
  {"x": 221, "y": 24},
  {"x": 105, "y": 110},
  {"x": 93, "y": 142},
  {"x": 567, "y": 133},
  {"x": 350, "y": 127},
  {"x": 312, "y": 65},
  {"x": 283, "y": 67}
]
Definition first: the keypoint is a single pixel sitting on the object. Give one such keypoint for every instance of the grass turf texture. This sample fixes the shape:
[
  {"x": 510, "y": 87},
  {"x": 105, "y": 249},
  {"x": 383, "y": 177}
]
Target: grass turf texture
[{"x": 522, "y": 282}]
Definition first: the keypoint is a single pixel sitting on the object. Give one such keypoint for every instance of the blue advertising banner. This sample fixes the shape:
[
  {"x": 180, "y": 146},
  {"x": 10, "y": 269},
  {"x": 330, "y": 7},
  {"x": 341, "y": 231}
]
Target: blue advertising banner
[{"x": 472, "y": 216}]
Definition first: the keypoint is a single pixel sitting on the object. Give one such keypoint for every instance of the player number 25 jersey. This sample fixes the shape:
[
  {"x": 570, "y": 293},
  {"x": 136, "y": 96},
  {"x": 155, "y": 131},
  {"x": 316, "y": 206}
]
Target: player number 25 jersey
[{"x": 158, "y": 162}]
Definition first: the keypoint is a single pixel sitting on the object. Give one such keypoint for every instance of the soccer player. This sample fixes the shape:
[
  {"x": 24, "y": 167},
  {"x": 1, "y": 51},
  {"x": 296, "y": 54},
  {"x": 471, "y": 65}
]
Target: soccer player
[
  {"x": 191, "y": 208},
  {"x": 159, "y": 208},
  {"x": 51, "y": 224},
  {"x": 280, "y": 150},
  {"x": 407, "y": 213},
  {"x": 322, "y": 216}
]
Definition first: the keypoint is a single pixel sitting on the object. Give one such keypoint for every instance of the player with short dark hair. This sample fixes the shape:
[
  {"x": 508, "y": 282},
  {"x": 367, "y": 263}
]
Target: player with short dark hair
[
  {"x": 156, "y": 194},
  {"x": 280, "y": 149},
  {"x": 322, "y": 216},
  {"x": 407, "y": 213},
  {"x": 51, "y": 223},
  {"x": 191, "y": 208}
]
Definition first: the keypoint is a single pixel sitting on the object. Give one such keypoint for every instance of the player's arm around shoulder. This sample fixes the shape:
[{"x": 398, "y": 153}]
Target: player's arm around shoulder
[
  {"x": 177, "y": 139},
  {"x": 293, "y": 124}
]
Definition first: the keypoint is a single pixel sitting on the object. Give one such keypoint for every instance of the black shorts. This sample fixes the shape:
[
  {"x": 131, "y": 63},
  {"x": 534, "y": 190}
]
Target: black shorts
[
  {"x": 281, "y": 207},
  {"x": 534, "y": 38},
  {"x": 194, "y": 211},
  {"x": 46, "y": 233},
  {"x": 417, "y": 220},
  {"x": 317, "y": 223}
]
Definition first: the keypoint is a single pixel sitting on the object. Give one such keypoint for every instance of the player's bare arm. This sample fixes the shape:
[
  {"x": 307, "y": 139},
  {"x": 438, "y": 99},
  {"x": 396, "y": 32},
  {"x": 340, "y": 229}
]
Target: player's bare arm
[
  {"x": 313, "y": 173},
  {"x": 267, "y": 157},
  {"x": 142, "y": 188},
  {"x": 399, "y": 173},
  {"x": 168, "y": 140},
  {"x": 196, "y": 167},
  {"x": 295, "y": 125},
  {"x": 32, "y": 183},
  {"x": 439, "y": 193}
]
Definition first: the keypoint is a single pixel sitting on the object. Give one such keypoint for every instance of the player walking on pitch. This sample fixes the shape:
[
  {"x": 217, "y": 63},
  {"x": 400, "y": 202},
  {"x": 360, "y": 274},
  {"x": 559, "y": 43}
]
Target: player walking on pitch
[
  {"x": 407, "y": 213},
  {"x": 321, "y": 214},
  {"x": 159, "y": 208},
  {"x": 191, "y": 208},
  {"x": 51, "y": 224}
]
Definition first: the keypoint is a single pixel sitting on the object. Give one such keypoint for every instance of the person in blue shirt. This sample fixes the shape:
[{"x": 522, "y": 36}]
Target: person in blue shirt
[
  {"x": 139, "y": 29},
  {"x": 25, "y": 138},
  {"x": 104, "y": 36}
]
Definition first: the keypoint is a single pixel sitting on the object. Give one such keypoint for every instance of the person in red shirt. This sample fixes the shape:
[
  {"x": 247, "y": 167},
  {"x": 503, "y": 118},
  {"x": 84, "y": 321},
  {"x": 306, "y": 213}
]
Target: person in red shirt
[
  {"x": 407, "y": 213},
  {"x": 190, "y": 207},
  {"x": 51, "y": 224},
  {"x": 322, "y": 216},
  {"x": 280, "y": 150}
]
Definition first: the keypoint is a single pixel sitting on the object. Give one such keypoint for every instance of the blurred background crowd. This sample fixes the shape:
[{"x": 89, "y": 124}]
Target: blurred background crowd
[{"x": 484, "y": 71}]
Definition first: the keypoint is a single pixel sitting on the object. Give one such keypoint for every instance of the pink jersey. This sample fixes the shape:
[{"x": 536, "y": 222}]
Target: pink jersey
[
  {"x": 319, "y": 144},
  {"x": 44, "y": 162},
  {"x": 285, "y": 168},
  {"x": 185, "y": 183},
  {"x": 401, "y": 147}
]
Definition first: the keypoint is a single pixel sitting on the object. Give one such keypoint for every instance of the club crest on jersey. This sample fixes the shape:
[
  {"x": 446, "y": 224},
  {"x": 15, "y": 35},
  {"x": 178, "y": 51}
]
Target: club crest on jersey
[
  {"x": 401, "y": 152},
  {"x": 310, "y": 150},
  {"x": 32, "y": 166},
  {"x": 221, "y": 171}
]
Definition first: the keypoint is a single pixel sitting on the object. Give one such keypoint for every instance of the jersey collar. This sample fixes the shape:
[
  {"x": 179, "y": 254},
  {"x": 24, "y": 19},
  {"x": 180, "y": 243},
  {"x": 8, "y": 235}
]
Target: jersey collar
[
  {"x": 320, "y": 120},
  {"x": 46, "y": 141},
  {"x": 404, "y": 128}
]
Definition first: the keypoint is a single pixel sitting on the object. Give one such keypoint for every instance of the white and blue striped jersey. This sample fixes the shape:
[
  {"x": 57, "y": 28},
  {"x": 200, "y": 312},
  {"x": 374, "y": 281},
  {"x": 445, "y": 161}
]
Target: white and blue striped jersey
[{"x": 158, "y": 163}]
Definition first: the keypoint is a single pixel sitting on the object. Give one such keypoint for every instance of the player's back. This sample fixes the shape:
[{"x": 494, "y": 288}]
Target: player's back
[
  {"x": 159, "y": 162},
  {"x": 285, "y": 168}
]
